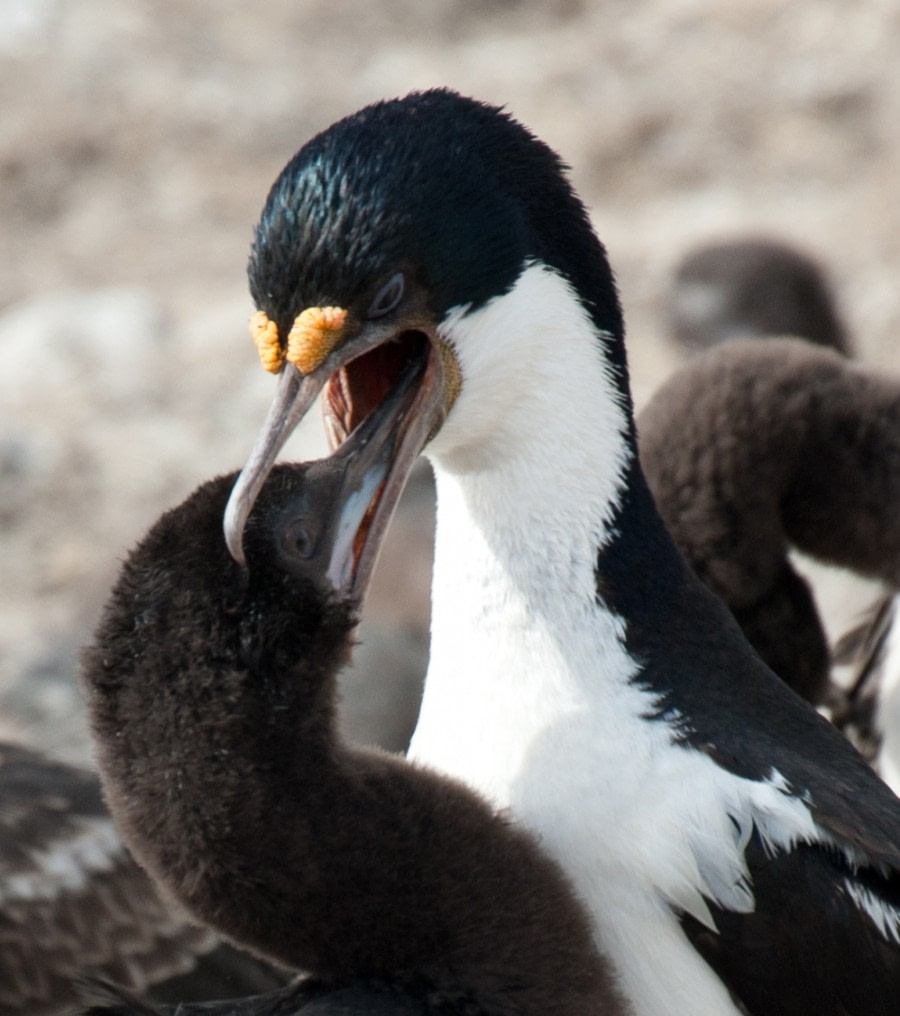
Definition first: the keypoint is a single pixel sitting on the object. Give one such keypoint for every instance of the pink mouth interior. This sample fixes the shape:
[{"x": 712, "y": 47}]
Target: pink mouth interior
[{"x": 354, "y": 390}]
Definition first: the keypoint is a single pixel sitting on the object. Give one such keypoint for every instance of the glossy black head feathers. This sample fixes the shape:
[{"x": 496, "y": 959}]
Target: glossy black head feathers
[{"x": 453, "y": 190}]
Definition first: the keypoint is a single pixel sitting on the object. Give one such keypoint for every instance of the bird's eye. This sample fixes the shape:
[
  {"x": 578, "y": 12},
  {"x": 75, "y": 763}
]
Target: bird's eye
[
  {"x": 387, "y": 298},
  {"x": 299, "y": 541}
]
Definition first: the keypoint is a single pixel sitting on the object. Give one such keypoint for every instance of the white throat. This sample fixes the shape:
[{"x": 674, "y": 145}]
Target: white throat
[
  {"x": 529, "y": 468},
  {"x": 528, "y": 695}
]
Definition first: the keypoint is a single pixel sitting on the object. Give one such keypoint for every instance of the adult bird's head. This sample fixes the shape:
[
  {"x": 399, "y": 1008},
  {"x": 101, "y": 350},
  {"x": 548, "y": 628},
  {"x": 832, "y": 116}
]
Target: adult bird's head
[{"x": 381, "y": 243}]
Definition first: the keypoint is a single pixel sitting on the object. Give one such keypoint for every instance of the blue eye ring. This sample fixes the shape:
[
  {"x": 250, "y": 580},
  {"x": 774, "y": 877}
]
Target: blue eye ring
[{"x": 388, "y": 296}]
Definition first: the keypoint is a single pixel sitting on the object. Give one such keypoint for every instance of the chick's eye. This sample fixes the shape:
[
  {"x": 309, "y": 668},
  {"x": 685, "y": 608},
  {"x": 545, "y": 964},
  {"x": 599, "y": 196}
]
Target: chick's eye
[
  {"x": 387, "y": 298},
  {"x": 299, "y": 541}
]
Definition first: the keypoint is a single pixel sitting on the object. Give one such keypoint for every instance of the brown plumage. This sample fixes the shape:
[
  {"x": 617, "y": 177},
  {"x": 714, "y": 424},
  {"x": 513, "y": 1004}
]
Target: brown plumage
[
  {"x": 752, "y": 287},
  {"x": 73, "y": 902},
  {"x": 211, "y": 694},
  {"x": 756, "y": 447}
]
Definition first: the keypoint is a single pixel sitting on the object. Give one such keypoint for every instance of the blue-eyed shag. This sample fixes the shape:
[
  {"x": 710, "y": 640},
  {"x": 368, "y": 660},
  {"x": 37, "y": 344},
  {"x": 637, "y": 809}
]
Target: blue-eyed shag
[{"x": 735, "y": 852}]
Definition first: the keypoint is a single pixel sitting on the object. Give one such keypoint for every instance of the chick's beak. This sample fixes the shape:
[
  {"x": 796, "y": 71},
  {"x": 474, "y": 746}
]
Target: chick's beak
[
  {"x": 396, "y": 379},
  {"x": 347, "y": 498}
]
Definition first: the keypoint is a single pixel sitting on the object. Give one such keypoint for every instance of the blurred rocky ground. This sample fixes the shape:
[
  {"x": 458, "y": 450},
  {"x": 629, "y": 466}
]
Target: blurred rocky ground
[{"x": 138, "y": 140}]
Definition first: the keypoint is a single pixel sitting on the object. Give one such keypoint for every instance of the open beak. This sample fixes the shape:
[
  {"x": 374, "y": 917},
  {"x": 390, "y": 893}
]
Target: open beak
[
  {"x": 381, "y": 405},
  {"x": 346, "y": 500}
]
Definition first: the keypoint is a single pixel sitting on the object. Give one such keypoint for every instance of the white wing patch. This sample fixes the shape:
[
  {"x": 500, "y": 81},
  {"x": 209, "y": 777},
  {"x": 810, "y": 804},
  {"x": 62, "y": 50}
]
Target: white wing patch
[
  {"x": 714, "y": 820},
  {"x": 885, "y": 917},
  {"x": 783, "y": 818}
]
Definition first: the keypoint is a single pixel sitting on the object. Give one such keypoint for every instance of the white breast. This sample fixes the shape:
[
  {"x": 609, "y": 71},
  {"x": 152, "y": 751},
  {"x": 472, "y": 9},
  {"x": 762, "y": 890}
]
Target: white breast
[{"x": 528, "y": 695}]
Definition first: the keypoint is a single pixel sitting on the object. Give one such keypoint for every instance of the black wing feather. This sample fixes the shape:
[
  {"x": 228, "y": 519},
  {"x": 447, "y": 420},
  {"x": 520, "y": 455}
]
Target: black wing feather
[{"x": 807, "y": 949}]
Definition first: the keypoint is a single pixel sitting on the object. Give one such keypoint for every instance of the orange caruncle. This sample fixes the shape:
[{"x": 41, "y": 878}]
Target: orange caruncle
[
  {"x": 315, "y": 333},
  {"x": 265, "y": 335}
]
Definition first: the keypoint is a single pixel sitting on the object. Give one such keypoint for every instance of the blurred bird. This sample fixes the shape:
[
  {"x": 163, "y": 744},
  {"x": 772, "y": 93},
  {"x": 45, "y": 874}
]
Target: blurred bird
[
  {"x": 752, "y": 287},
  {"x": 757, "y": 447},
  {"x": 73, "y": 902}
]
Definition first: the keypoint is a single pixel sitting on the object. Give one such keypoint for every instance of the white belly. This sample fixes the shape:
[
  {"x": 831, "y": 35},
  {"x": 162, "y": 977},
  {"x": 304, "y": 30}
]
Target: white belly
[{"x": 610, "y": 812}]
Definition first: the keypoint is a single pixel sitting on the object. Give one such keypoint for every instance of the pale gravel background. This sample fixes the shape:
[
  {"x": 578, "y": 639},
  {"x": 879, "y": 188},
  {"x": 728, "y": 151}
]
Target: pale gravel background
[{"x": 137, "y": 143}]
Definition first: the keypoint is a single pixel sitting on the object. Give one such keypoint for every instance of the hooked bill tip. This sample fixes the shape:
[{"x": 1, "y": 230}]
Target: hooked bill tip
[
  {"x": 293, "y": 397},
  {"x": 233, "y": 526}
]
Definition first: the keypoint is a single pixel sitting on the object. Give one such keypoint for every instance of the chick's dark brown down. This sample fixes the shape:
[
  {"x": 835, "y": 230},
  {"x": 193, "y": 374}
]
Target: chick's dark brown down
[{"x": 211, "y": 695}]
